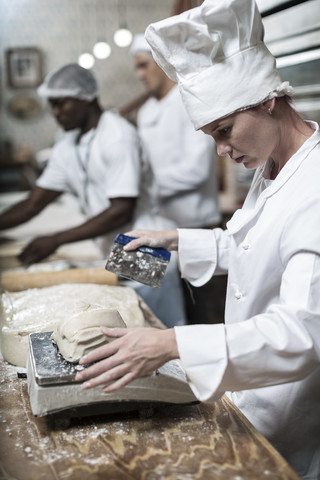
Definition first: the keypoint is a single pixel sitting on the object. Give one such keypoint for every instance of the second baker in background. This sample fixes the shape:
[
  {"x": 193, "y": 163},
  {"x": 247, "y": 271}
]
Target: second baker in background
[{"x": 184, "y": 165}]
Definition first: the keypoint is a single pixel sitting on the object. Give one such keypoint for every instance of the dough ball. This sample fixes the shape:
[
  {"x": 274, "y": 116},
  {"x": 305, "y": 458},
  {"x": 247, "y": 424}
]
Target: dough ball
[
  {"x": 79, "y": 334},
  {"x": 42, "y": 309}
]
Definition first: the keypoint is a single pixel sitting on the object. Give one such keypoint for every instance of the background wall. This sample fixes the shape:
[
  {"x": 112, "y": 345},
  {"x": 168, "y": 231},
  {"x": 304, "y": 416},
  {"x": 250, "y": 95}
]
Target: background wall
[{"x": 62, "y": 29}]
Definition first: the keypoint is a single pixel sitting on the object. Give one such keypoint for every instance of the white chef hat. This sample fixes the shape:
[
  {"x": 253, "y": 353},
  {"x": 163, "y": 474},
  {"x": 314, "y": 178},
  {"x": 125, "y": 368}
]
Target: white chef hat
[
  {"x": 216, "y": 54},
  {"x": 70, "y": 80},
  {"x": 140, "y": 45}
]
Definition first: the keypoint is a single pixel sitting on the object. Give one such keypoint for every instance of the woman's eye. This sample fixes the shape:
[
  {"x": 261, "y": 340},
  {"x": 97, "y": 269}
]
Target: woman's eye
[{"x": 224, "y": 131}]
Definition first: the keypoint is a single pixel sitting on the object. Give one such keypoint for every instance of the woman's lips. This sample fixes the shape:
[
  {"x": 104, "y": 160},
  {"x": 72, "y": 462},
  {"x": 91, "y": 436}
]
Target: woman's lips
[{"x": 239, "y": 159}]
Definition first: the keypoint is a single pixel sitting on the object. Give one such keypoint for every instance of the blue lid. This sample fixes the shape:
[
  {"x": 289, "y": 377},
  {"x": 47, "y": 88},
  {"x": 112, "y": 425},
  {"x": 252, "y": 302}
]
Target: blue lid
[{"x": 156, "y": 252}]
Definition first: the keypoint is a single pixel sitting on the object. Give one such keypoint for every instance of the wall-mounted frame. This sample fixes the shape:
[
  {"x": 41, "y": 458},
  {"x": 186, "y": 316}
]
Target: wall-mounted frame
[{"x": 24, "y": 67}]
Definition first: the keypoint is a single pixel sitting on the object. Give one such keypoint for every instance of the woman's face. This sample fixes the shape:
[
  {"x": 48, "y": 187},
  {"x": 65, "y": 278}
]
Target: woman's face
[{"x": 248, "y": 137}]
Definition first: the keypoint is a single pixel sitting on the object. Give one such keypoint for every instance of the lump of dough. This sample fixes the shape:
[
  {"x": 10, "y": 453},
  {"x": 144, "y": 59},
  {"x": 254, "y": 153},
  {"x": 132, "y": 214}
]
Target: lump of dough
[
  {"x": 77, "y": 335},
  {"x": 42, "y": 309}
]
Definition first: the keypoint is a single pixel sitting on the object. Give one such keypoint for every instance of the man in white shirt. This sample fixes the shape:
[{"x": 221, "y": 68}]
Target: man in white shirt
[
  {"x": 99, "y": 160},
  {"x": 183, "y": 162}
]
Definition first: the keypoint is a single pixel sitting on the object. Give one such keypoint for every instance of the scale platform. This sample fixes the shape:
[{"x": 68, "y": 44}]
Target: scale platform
[{"x": 53, "y": 389}]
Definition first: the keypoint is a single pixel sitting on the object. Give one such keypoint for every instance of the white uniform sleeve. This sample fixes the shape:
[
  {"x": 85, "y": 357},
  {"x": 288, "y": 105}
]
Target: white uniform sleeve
[
  {"x": 54, "y": 176},
  {"x": 203, "y": 253},
  {"x": 124, "y": 173},
  {"x": 203, "y": 354}
]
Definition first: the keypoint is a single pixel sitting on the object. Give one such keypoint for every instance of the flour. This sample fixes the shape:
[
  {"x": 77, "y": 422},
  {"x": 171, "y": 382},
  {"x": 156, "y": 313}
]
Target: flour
[{"x": 42, "y": 309}]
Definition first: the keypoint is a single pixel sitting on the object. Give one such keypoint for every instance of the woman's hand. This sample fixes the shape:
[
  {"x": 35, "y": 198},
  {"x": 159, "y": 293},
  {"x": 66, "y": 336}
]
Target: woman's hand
[
  {"x": 167, "y": 239},
  {"x": 134, "y": 353}
]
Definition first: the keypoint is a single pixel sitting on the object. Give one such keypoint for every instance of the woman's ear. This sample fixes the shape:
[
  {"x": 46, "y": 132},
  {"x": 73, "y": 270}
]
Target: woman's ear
[{"x": 268, "y": 106}]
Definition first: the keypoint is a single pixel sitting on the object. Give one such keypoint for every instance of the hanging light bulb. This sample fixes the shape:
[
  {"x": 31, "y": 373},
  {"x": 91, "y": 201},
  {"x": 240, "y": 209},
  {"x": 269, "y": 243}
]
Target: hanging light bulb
[
  {"x": 86, "y": 60},
  {"x": 101, "y": 50},
  {"x": 122, "y": 37}
]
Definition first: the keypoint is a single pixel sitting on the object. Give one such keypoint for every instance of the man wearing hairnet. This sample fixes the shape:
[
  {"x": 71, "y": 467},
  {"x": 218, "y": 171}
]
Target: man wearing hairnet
[{"x": 100, "y": 161}]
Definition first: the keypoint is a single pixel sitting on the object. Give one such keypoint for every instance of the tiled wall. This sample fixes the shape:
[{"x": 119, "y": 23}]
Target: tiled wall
[{"x": 61, "y": 29}]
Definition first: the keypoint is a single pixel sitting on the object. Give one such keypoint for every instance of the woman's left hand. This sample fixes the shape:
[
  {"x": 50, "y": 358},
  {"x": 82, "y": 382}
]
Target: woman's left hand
[
  {"x": 167, "y": 239},
  {"x": 134, "y": 353}
]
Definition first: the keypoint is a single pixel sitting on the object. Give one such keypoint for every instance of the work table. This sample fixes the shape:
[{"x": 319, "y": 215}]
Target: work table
[
  {"x": 195, "y": 442},
  {"x": 203, "y": 442},
  {"x": 60, "y": 215}
]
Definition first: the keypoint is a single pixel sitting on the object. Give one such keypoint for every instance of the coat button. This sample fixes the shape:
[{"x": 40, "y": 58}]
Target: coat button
[
  {"x": 238, "y": 295},
  {"x": 246, "y": 246}
]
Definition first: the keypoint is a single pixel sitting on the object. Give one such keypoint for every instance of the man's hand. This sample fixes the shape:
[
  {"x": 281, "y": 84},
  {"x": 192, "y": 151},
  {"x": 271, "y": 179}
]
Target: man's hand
[
  {"x": 136, "y": 352},
  {"x": 39, "y": 249}
]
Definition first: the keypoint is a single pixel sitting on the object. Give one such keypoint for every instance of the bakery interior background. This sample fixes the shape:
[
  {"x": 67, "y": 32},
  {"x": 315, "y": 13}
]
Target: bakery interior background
[{"x": 51, "y": 33}]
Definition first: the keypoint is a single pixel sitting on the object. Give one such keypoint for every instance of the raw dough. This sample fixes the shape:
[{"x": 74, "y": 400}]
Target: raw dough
[
  {"x": 41, "y": 309},
  {"x": 78, "y": 335}
]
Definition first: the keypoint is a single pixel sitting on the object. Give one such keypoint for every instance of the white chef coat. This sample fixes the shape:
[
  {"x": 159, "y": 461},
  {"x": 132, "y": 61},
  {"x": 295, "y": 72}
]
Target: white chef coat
[
  {"x": 268, "y": 351},
  {"x": 183, "y": 161},
  {"x": 108, "y": 163}
]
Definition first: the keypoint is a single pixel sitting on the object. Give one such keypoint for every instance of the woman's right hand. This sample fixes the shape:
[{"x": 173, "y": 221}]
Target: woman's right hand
[{"x": 167, "y": 239}]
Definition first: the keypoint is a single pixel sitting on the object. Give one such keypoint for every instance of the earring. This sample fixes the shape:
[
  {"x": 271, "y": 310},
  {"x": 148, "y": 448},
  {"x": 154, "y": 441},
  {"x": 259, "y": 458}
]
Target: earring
[{"x": 270, "y": 111}]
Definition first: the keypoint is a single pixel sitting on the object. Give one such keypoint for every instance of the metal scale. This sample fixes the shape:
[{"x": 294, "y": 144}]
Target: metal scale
[{"x": 53, "y": 390}]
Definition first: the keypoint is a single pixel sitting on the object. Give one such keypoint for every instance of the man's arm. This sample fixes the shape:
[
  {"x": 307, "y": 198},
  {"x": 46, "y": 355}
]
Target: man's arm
[
  {"x": 119, "y": 213},
  {"x": 23, "y": 211}
]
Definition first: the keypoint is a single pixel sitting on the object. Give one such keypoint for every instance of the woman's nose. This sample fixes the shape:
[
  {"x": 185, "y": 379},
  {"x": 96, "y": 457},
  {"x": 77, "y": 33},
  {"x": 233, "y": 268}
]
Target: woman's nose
[{"x": 223, "y": 148}]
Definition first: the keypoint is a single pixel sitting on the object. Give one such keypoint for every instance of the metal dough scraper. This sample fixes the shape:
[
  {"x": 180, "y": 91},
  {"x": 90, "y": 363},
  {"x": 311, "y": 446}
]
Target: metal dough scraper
[
  {"x": 52, "y": 388},
  {"x": 145, "y": 265}
]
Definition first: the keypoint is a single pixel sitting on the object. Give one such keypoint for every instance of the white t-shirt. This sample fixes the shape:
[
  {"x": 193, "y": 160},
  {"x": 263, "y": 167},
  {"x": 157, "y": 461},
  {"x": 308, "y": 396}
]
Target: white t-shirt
[
  {"x": 183, "y": 161},
  {"x": 107, "y": 163}
]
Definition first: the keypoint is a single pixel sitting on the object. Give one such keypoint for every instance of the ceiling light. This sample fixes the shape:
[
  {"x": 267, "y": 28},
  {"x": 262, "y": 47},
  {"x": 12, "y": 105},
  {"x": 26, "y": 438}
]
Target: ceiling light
[
  {"x": 122, "y": 37},
  {"x": 102, "y": 50},
  {"x": 86, "y": 60}
]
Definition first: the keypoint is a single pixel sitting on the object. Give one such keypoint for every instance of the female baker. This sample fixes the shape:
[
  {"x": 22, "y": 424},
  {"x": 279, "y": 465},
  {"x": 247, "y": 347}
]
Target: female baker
[{"x": 266, "y": 355}]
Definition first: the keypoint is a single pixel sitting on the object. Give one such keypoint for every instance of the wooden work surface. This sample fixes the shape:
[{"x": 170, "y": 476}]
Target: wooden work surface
[{"x": 177, "y": 443}]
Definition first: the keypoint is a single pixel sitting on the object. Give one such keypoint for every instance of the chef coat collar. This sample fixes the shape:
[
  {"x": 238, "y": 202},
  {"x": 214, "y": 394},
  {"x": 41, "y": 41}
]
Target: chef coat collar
[
  {"x": 294, "y": 162},
  {"x": 244, "y": 215}
]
